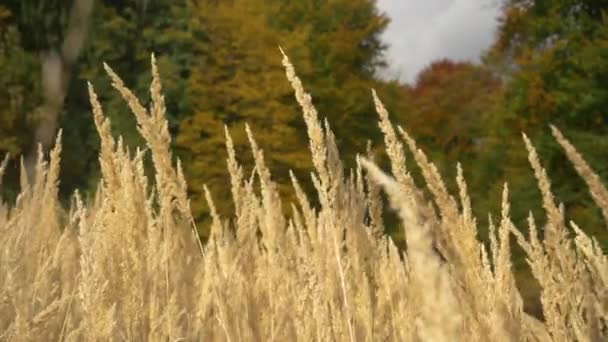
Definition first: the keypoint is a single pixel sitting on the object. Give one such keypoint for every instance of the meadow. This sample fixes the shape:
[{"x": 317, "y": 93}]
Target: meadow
[{"x": 129, "y": 265}]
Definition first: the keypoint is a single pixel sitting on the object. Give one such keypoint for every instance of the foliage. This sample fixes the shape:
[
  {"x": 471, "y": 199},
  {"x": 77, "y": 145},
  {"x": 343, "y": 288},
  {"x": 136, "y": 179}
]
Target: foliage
[
  {"x": 19, "y": 93},
  {"x": 31, "y": 28},
  {"x": 237, "y": 80},
  {"x": 234, "y": 82},
  {"x": 450, "y": 103},
  {"x": 19, "y": 81},
  {"x": 42, "y": 23},
  {"x": 345, "y": 49},
  {"x": 162, "y": 26},
  {"x": 552, "y": 55}
]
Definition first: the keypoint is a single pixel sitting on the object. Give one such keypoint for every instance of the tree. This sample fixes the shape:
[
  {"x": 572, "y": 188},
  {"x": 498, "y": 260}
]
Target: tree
[
  {"x": 52, "y": 48},
  {"x": 17, "y": 81},
  {"x": 239, "y": 78},
  {"x": 451, "y": 106},
  {"x": 19, "y": 96},
  {"x": 346, "y": 50},
  {"x": 450, "y": 101},
  {"x": 123, "y": 35},
  {"x": 553, "y": 56},
  {"x": 55, "y": 32}
]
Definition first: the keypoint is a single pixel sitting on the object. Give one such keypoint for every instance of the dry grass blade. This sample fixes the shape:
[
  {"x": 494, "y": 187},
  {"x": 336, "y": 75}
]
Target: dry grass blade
[
  {"x": 123, "y": 265},
  {"x": 597, "y": 189},
  {"x": 318, "y": 146},
  {"x": 544, "y": 184},
  {"x": 440, "y": 317}
]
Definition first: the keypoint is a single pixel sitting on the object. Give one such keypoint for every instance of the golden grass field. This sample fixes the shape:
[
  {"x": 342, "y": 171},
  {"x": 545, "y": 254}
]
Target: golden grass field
[{"x": 128, "y": 263}]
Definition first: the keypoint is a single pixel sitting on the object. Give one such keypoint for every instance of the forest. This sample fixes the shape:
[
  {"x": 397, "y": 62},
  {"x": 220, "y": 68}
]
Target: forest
[{"x": 221, "y": 70}]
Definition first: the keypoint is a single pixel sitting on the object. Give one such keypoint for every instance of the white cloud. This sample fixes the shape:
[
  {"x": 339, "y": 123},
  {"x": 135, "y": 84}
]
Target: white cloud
[{"x": 423, "y": 31}]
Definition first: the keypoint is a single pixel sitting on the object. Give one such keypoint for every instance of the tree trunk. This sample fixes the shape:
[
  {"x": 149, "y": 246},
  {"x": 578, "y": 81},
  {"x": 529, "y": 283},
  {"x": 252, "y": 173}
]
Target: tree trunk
[{"x": 56, "y": 70}]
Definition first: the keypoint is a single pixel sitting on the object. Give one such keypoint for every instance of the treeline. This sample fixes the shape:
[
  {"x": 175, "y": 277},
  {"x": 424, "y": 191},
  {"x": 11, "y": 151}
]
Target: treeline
[{"x": 220, "y": 65}]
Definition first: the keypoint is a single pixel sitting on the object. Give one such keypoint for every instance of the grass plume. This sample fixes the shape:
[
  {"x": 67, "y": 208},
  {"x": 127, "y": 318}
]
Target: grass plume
[{"x": 126, "y": 265}]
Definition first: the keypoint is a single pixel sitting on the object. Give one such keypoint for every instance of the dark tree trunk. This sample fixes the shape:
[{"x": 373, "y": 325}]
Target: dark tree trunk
[{"x": 56, "y": 70}]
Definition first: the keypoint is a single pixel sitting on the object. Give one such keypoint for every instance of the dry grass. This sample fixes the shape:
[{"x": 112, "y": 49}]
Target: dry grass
[{"x": 127, "y": 266}]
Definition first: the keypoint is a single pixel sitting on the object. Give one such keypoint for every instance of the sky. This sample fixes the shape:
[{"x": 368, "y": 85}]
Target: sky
[{"x": 422, "y": 31}]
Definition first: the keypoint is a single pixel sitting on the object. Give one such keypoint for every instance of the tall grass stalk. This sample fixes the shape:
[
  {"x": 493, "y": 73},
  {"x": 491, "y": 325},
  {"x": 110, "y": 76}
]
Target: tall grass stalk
[{"x": 126, "y": 266}]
